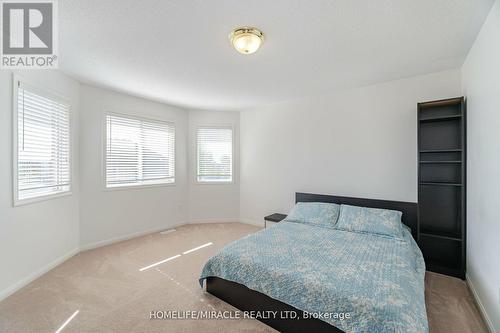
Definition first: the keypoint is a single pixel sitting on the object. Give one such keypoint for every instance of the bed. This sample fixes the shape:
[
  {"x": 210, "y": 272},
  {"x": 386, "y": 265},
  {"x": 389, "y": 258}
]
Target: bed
[{"x": 322, "y": 275}]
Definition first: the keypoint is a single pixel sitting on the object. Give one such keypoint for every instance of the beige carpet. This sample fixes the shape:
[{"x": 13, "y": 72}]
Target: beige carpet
[{"x": 111, "y": 294}]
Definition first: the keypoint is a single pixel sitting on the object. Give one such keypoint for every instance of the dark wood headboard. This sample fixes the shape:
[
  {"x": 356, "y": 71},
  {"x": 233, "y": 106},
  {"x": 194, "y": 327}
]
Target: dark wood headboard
[{"x": 409, "y": 209}]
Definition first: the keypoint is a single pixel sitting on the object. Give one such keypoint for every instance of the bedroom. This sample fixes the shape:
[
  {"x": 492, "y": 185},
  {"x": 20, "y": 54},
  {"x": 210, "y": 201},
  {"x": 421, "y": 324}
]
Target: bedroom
[{"x": 229, "y": 166}]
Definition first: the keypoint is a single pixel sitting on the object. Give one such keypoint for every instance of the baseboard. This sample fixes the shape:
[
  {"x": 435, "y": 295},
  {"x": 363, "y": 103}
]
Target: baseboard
[
  {"x": 484, "y": 314},
  {"x": 122, "y": 238},
  {"x": 33, "y": 276},
  {"x": 222, "y": 220}
]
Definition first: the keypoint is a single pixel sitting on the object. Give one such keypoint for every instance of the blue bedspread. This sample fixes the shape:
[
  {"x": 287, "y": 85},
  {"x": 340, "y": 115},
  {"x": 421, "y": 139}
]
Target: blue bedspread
[{"x": 378, "y": 280}]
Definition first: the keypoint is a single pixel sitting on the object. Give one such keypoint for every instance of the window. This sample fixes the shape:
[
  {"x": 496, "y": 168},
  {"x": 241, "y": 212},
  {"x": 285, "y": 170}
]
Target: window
[
  {"x": 139, "y": 152},
  {"x": 215, "y": 154},
  {"x": 41, "y": 144}
]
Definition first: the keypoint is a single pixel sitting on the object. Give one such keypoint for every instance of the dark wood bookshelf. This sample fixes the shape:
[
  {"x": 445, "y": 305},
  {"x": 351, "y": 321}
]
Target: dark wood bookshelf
[{"x": 441, "y": 128}]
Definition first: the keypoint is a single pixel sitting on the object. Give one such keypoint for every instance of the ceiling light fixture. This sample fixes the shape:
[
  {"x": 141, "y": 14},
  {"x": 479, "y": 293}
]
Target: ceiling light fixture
[{"x": 246, "y": 40}]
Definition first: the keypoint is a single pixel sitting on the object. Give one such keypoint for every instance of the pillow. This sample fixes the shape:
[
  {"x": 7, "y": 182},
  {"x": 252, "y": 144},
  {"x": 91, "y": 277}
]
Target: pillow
[
  {"x": 370, "y": 220},
  {"x": 320, "y": 213}
]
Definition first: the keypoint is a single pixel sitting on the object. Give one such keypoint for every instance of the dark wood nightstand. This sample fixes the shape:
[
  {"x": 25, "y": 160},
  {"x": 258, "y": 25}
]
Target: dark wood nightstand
[{"x": 276, "y": 217}]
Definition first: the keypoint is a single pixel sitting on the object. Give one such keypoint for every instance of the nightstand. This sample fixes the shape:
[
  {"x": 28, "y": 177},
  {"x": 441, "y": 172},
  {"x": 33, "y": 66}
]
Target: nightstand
[{"x": 276, "y": 217}]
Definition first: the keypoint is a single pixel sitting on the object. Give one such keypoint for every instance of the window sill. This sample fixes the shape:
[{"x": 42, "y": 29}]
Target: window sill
[
  {"x": 136, "y": 187},
  {"x": 23, "y": 202},
  {"x": 214, "y": 183}
]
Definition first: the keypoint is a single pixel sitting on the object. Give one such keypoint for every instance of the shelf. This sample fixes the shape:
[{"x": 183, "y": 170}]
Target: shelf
[
  {"x": 440, "y": 236},
  {"x": 440, "y": 162},
  {"x": 439, "y": 184},
  {"x": 441, "y": 151},
  {"x": 440, "y": 118}
]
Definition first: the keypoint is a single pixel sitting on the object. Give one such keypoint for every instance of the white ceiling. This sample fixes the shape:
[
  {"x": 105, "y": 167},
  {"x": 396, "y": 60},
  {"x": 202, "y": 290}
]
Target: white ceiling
[{"x": 178, "y": 51}]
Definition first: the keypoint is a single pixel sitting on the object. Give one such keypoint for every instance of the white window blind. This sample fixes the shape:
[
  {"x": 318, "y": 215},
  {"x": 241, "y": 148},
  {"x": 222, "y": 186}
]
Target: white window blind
[
  {"x": 43, "y": 144},
  {"x": 139, "y": 152},
  {"x": 215, "y": 154}
]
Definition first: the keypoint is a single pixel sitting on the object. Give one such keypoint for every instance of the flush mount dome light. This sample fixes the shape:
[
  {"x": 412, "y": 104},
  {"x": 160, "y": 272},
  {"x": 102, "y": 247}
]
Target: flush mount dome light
[{"x": 246, "y": 40}]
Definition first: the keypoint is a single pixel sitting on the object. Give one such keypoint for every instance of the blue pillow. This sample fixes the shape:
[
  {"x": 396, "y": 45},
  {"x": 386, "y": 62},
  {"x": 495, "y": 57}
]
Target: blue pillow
[
  {"x": 319, "y": 213},
  {"x": 370, "y": 220}
]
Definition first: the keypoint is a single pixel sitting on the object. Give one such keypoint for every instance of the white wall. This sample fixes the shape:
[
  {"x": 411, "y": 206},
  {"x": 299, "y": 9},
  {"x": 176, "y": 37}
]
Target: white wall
[
  {"x": 35, "y": 236},
  {"x": 213, "y": 202},
  {"x": 360, "y": 142},
  {"x": 108, "y": 215},
  {"x": 481, "y": 83}
]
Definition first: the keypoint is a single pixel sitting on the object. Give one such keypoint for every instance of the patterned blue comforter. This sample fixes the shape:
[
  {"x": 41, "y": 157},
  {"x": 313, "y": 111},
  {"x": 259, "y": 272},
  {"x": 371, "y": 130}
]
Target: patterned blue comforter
[{"x": 378, "y": 280}]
